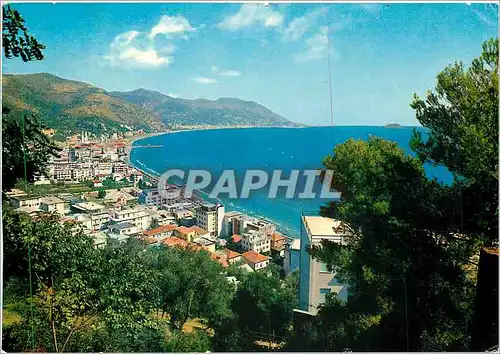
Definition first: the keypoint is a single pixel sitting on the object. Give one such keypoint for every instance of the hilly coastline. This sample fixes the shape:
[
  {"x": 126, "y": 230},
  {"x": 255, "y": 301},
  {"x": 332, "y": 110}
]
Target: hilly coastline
[{"x": 69, "y": 106}]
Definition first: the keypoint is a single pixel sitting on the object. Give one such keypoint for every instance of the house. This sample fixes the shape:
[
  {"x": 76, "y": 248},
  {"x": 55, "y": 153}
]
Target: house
[
  {"x": 278, "y": 242},
  {"x": 255, "y": 260},
  {"x": 97, "y": 183},
  {"x": 174, "y": 242},
  {"x": 160, "y": 231},
  {"x": 123, "y": 228},
  {"x": 185, "y": 233},
  {"x": 232, "y": 256},
  {"x": 205, "y": 243},
  {"x": 25, "y": 201},
  {"x": 52, "y": 204},
  {"x": 316, "y": 281}
]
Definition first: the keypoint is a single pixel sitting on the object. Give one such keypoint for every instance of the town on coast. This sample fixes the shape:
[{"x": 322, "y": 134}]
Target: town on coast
[{"x": 94, "y": 184}]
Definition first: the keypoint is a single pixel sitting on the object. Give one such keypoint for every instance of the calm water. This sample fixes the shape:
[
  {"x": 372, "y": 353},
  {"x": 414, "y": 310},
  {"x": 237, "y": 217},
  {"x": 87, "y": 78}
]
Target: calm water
[{"x": 265, "y": 149}]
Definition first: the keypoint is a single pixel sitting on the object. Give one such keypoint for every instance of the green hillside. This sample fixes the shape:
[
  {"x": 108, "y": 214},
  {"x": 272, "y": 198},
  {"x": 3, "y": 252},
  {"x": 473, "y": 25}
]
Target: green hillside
[{"x": 70, "y": 106}]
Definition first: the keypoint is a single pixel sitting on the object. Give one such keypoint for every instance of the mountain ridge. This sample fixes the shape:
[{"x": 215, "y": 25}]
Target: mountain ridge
[{"x": 70, "y": 106}]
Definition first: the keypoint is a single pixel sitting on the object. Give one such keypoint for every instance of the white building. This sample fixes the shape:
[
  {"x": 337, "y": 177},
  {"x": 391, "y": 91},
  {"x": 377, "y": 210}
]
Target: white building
[
  {"x": 210, "y": 217},
  {"x": 256, "y": 241},
  {"x": 316, "y": 281},
  {"x": 261, "y": 226},
  {"x": 52, "y": 204},
  {"x": 139, "y": 217}
]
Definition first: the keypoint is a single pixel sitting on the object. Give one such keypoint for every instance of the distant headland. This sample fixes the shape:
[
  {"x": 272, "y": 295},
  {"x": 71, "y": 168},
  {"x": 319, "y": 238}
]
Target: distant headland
[{"x": 393, "y": 125}]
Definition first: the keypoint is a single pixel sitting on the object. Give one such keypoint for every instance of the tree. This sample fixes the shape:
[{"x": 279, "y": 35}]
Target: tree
[
  {"x": 25, "y": 149},
  {"x": 17, "y": 44},
  {"x": 101, "y": 194},
  {"x": 195, "y": 342},
  {"x": 409, "y": 239},
  {"x": 191, "y": 286},
  {"x": 404, "y": 261},
  {"x": 462, "y": 118}
]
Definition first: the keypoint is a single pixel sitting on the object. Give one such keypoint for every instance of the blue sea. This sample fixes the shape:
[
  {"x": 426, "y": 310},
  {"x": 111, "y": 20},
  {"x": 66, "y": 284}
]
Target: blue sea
[{"x": 265, "y": 149}]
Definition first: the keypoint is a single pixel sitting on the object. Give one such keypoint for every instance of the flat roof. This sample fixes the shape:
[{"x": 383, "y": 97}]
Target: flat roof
[
  {"x": 321, "y": 226},
  {"x": 123, "y": 225},
  {"x": 90, "y": 206},
  {"x": 50, "y": 199}
]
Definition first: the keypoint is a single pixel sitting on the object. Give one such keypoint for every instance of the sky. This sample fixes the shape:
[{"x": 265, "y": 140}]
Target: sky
[{"x": 276, "y": 55}]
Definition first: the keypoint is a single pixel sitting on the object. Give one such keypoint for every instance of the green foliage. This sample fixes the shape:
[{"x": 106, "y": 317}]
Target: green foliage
[
  {"x": 195, "y": 342},
  {"x": 37, "y": 147},
  {"x": 190, "y": 286},
  {"x": 17, "y": 44},
  {"x": 410, "y": 238},
  {"x": 462, "y": 116},
  {"x": 101, "y": 194}
]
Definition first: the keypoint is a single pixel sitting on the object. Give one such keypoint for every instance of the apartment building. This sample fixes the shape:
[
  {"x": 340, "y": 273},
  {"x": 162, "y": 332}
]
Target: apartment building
[
  {"x": 256, "y": 241},
  {"x": 262, "y": 226},
  {"x": 52, "y": 204},
  {"x": 210, "y": 217},
  {"x": 315, "y": 280},
  {"x": 97, "y": 213},
  {"x": 141, "y": 218}
]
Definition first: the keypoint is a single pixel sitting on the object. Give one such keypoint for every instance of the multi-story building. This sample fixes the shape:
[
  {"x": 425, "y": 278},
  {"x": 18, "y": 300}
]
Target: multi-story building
[
  {"x": 261, "y": 226},
  {"x": 103, "y": 168},
  {"x": 63, "y": 174},
  {"x": 97, "y": 213},
  {"x": 278, "y": 242},
  {"x": 227, "y": 223},
  {"x": 82, "y": 174},
  {"x": 52, "y": 204},
  {"x": 209, "y": 217},
  {"x": 256, "y": 241},
  {"x": 120, "y": 167},
  {"x": 25, "y": 201},
  {"x": 315, "y": 280},
  {"x": 141, "y": 218}
]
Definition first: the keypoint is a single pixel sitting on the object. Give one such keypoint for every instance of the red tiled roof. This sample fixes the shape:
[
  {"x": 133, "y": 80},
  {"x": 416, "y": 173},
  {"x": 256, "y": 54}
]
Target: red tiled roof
[
  {"x": 160, "y": 229},
  {"x": 184, "y": 230},
  {"x": 198, "y": 230},
  {"x": 231, "y": 254},
  {"x": 220, "y": 258},
  {"x": 174, "y": 241},
  {"x": 236, "y": 238},
  {"x": 254, "y": 257},
  {"x": 276, "y": 236}
]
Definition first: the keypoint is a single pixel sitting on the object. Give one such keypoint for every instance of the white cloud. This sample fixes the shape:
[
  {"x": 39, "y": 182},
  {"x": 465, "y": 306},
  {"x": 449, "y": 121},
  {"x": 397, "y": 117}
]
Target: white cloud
[
  {"x": 316, "y": 46},
  {"x": 204, "y": 80},
  {"x": 171, "y": 25},
  {"x": 173, "y": 95},
  {"x": 300, "y": 25},
  {"x": 250, "y": 15},
  {"x": 129, "y": 49},
  {"x": 214, "y": 69},
  {"x": 230, "y": 73}
]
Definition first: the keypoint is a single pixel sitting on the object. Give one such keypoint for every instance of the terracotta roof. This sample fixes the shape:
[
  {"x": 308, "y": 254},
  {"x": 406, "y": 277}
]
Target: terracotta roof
[
  {"x": 276, "y": 236},
  {"x": 160, "y": 229},
  {"x": 231, "y": 254},
  {"x": 198, "y": 230},
  {"x": 174, "y": 241},
  {"x": 236, "y": 238},
  {"x": 254, "y": 257},
  {"x": 184, "y": 230},
  {"x": 151, "y": 240},
  {"x": 220, "y": 258}
]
